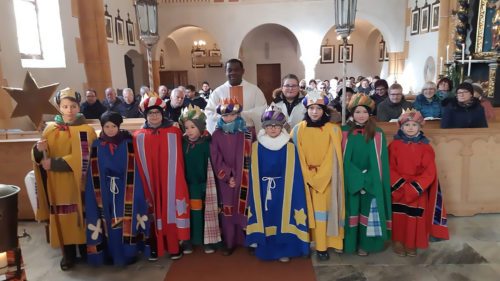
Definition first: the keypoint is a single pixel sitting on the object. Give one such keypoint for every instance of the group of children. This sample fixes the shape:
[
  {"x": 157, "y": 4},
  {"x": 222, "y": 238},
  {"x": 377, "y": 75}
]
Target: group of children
[{"x": 166, "y": 189}]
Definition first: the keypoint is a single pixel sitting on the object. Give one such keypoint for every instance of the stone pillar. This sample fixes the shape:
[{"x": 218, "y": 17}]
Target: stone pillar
[{"x": 92, "y": 45}]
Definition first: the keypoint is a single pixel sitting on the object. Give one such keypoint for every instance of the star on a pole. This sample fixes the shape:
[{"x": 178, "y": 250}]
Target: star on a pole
[{"x": 32, "y": 100}]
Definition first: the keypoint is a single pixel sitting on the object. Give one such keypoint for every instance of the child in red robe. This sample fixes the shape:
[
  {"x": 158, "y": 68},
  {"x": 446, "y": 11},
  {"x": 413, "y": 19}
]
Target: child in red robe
[
  {"x": 158, "y": 146},
  {"x": 418, "y": 211}
]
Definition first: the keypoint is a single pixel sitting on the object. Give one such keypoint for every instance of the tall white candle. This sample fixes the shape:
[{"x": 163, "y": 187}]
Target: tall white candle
[
  {"x": 441, "y": 66},
  {"x": 3, "y": 262},
  {"x": 463, "y": 53},
  {"x": 470, "y": 63},
  {"x": 447, "y": 53}
]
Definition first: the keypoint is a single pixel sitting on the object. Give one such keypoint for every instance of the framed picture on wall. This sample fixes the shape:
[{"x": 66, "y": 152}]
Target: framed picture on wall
[
  {"x": 120, "y": 30},
  {"x": 386, "y": 56},
  {"x": 415, "y": 20},
  {"x": 381, "y": 50},
  {"x": 130, "y": 33},
  {"x": 195, "y": 55},
  {"x": 215, "y": 53},
  {"x": 349, "y": 54},
  {"x": 108, "y": 25},
  {"x": 327, "y": 54},
  {"x": 425, "y": 18},
  {"x": 435, "y": 16}
]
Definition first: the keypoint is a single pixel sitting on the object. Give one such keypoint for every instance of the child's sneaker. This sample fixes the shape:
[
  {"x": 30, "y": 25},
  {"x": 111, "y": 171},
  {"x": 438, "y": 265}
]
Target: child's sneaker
[
  {"x": 208, "y": 249},
  {"x": 322, "y": 255},
  {"x": 176, "y": 256},
  {"x": 284, "y": 259},
  {"x": 153, "y": 256},
  {"x": 187, "y": 247}
]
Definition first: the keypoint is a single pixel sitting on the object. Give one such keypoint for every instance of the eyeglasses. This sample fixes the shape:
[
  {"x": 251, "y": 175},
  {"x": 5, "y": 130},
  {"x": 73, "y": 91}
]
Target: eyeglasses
[
  {"x": 290, "y": 86},
  {"x": 429, "y": 89},
  {"x": 151, "y": 113},
  {"x": 275, "y": 126},
  {"x": 380, "y": 90},
  {"x": 395, "y": 95}
]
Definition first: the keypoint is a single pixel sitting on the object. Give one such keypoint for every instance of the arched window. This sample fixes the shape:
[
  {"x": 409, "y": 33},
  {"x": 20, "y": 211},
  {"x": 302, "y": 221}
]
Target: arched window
[{"x": 39, "y": 33}]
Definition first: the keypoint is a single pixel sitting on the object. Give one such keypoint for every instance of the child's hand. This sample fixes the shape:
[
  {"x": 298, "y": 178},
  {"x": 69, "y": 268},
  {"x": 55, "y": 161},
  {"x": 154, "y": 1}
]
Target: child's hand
[
  {"x": 232, "y": 182},
  {"x": 45, "y": 164},
  {"x": 41, "y": 145}
]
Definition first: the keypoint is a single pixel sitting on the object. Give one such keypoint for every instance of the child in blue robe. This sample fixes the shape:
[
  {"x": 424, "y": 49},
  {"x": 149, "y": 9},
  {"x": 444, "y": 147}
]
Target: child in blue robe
[
  {"x": 116, "y": 210},
  {"x": 277, "y": 212}
]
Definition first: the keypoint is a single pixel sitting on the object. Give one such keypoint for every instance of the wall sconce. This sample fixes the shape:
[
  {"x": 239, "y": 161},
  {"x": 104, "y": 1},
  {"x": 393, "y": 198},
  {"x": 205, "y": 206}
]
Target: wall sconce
[
  {"x": 8, "y": 236},
  {"x": 198, "y": 45}
]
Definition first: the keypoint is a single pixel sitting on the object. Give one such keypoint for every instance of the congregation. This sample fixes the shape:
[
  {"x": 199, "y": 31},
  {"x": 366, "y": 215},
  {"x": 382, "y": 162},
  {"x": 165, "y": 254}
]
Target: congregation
[{"x": 220, "y": 169}]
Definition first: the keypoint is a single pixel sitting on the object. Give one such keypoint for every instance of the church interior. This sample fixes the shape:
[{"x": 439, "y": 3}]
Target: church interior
[{"x": 100, "y": 44}]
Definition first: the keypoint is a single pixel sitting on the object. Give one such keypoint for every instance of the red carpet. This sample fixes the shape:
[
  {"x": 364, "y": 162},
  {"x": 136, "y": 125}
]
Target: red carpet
[{"x": 240, "y": 266}]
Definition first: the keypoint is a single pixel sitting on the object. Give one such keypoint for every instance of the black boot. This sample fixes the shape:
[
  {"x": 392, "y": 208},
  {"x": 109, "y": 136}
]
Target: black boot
[{"x": 68, "y": 260}]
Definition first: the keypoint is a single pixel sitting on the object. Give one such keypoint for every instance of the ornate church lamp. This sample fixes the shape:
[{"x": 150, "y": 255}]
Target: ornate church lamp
[
  {"x": 146, "y": 12},
  {"x": 345, "y": 15}
]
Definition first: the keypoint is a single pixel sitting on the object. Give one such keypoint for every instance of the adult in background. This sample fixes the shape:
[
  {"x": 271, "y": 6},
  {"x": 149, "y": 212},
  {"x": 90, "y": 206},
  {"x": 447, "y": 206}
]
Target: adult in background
[
  {"x": 143, "y": 91},
  {"x": 392, "y": 107},
  {"x": 428, "y": 103},
  {"x": 444, "y": 86},
  {"x": 337, "y": 102},
  {"x": 92, "y": 108},
  {"x": 289, "y": 100},
  {"x": 364, "y": 87},
  {"x": 254, "y": 102},
  {"x": 163, "y": 92},
  {"x": 465, "y": 111},
  {"x": 485, "y": 102},
  {"x": 112, "y": 102},
  {"x": 312, "y": 85},
  {"x": 175, "y": 104},
  {"x": 380, "y": 93},
  {"x": 193, "y": 98},
  {"x": 130, "y": 106},
  {"x": 205, "y": 90}
]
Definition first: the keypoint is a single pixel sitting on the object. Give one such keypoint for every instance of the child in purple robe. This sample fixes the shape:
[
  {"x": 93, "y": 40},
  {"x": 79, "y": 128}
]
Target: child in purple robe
[{"x": 230, "y": 152}]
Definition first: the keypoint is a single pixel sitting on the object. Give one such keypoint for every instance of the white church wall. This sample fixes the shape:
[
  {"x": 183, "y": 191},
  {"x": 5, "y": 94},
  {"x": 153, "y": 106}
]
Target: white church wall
[
  {"x": 421, "y": 47},
  {"x": 365, "y": 41},
  {"x": 73, "y": 75},
  {"x": 117, "y": 51},
  {"x": 309, "y": 21}
]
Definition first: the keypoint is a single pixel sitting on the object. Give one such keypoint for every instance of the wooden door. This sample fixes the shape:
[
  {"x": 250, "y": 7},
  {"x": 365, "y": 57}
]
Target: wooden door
[
  {"x": 173, "y": 79},
  {"x": 268, "y": 79}
]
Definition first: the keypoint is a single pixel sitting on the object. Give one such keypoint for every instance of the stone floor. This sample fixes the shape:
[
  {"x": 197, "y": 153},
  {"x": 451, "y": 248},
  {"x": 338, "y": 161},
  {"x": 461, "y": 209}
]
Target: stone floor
[{"x": 473, "y": 253}]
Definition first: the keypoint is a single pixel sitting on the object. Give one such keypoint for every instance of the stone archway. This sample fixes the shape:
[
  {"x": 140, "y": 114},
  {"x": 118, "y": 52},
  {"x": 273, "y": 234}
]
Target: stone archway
[
  {"x": 271, "y": 44},
  {"x": 135, "y": 70},
  {"x": 177, "y": 51}
]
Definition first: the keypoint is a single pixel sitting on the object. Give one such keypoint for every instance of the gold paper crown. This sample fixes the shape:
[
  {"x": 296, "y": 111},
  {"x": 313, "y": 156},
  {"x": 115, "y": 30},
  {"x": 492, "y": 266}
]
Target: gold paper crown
[
  {"x": 315, "y": 97},
  {"x": 192, "y": 112},
  {"x": 229, "y": 105},
  {"x": 411, "y": 115},
  {"x": 67, "y": 93}
]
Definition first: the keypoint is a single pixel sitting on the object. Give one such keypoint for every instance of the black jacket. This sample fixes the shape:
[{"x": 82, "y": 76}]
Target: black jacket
[{"x": 457, "y": 115}]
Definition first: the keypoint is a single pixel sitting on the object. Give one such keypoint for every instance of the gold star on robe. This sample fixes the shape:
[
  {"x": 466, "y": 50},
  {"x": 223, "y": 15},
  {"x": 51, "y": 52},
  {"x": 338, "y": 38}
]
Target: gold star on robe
[
  {"x": 300, "y": 216},
  {"x": 32, "y": 100}
]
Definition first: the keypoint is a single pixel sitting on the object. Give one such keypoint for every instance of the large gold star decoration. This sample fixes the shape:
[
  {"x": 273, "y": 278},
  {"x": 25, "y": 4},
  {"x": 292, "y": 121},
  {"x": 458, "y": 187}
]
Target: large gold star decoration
[
  {"x": 300, "y": 216},
  {"x": 33, "y": 100}
]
